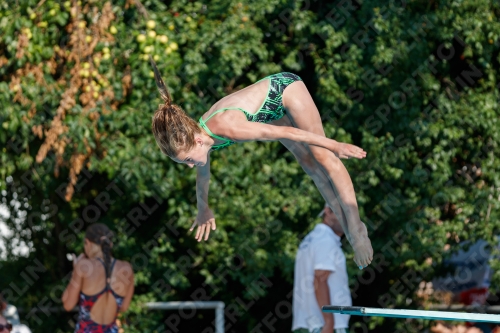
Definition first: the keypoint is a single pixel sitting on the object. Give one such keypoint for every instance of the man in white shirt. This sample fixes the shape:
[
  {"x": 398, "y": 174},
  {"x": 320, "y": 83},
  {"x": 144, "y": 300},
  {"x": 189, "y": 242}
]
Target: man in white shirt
[{"x": 321, "y": 279}]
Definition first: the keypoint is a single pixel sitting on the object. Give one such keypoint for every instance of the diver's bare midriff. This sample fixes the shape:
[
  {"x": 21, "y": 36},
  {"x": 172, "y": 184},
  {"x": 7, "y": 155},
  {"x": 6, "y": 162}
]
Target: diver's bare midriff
[{"x": 249, "y": 99}]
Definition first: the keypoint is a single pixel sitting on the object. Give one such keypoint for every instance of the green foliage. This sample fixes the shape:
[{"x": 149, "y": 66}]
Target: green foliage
[{"x": 413, "y": 83}]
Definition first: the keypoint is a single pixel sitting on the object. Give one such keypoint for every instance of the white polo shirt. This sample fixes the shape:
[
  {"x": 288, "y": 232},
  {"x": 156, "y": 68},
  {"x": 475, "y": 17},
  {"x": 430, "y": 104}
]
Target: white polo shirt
[{"x": 320, "y": 250}]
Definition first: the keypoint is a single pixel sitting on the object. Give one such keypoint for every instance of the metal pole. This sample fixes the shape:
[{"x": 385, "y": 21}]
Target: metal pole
[
  {"x": 183, "y": 305},
  {"x": 219, "y": 318}
]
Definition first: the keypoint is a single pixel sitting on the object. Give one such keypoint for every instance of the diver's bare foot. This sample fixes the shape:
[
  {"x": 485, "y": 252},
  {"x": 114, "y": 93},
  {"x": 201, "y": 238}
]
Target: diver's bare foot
[
  {"x": 363, "y": 252},
  {"x": 362, "y": 246}
]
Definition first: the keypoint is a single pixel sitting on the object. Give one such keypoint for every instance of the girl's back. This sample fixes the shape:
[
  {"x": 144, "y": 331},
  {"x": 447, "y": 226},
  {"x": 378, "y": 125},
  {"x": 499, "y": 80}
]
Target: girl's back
[
  {"x": 103, "y": 300},
  {"x": 100, "y": 285}
]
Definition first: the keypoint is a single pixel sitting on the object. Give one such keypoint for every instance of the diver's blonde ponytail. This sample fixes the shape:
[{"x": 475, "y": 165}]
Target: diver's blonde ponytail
[
  {"x": 162, "y": 88},
  {"x": 172, "y": 128}
]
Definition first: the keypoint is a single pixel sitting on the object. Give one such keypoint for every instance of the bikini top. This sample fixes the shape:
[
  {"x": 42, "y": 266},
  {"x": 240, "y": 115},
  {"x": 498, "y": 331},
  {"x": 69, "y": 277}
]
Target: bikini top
[{"x": 226, "y": 142}]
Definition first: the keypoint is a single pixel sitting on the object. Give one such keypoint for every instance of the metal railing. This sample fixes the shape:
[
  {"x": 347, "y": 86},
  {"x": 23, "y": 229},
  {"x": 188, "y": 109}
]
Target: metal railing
[{"x": 217, "y": 306}]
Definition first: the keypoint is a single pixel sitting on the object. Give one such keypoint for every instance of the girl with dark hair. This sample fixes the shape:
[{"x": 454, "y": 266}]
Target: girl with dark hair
[
  {"x": 9, "y": 319},
  {"x": 5, "y": 326},
  {"x": 276, "y": 108},
  {"x": 101, "y": 285}
]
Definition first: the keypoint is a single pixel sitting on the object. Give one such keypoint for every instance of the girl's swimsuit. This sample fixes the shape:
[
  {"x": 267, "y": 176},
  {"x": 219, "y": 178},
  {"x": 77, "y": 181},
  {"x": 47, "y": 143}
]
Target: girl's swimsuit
[
  {"x": 85, "y": 323},
  {"x": 271, "y": 109}
]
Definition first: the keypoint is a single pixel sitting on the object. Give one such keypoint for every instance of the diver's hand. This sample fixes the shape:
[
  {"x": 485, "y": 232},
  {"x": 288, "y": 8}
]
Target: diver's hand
[
  {"x": 205, "y": 221},
  {"x": 346, "y": 150}
]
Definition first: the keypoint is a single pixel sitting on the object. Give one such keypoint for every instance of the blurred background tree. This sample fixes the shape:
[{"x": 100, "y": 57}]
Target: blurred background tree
[{"x": 413, "y": 83}]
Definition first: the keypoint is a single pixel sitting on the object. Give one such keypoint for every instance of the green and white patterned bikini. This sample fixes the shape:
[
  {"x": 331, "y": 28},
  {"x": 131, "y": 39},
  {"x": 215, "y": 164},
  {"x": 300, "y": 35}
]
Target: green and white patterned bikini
[{"x": 271, "y": 109}]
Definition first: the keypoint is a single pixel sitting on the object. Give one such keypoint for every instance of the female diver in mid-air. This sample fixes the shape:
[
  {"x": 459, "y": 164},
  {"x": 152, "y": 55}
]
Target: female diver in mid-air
[{"x": 276, "y": 108}]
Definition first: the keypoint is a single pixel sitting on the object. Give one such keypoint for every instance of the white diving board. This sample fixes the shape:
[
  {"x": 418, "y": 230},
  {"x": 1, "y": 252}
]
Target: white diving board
[{"x": 415, "y": 314}]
